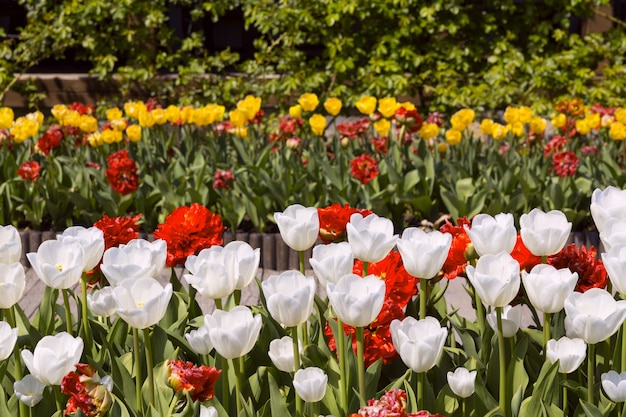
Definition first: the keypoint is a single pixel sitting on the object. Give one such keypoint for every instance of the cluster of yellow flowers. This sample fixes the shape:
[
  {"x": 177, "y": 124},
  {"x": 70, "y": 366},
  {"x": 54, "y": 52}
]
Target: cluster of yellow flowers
[
  {"x": 245, "y": 112},
  {"x": 459, "y": 121},
  {"x": 516, "y": 118},
  {"x": 23, "y": 127},
  {"x": 617, "y": 126}
]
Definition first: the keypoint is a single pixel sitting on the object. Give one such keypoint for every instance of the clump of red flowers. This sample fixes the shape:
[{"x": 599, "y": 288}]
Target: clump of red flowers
[
  {"x": 352, "y": 130},
  {"x": 590, "y": 269},
  {"x": 81, "y": 108},
  {"x": 29, "y": 171},
  {"x": 50, "y": 140},
  {"x": 223, "y": 179},
  {"x": 556, "y": 144},
  {"x": 118, "y": 230},
  {"x": 197, "y": 381},
  {"x": 364, "y": 168},
  {"x": 565, "y": 163},
  {"x": 333, "y": 221},
  {"x": 88, "y": 393},
  {"x": 410, "y": 119},
  {"x": 187, "y": 230},
  {"x": 122, "y": 172},
  {"x": 400, "y": 288},
  {"x": 392, "y": 403},
  {"x": 457, "y": 255}
]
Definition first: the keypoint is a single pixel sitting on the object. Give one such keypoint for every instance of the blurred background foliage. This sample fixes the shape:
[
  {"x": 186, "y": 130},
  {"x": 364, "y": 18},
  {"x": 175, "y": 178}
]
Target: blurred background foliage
[{"x": 445, "y": 54}]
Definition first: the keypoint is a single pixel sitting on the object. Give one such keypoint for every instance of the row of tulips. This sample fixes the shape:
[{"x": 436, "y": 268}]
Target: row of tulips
[
  {"x": 381, "y": 341},
  {"x": 245, "y": 165}
]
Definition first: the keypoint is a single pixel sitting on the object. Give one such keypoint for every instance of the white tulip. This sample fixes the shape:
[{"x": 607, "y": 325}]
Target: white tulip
[
  {"x": 462, "y": 382},
  {"x": 614, "y": 233},
  {"x": 233, "y": 333},
  {"x": 141, "y": 302},
  {"x": 544, "y": 234},
  {"x": 594, "y": 315},
  {"x": 248, "y": 260},
  {"x": 511, "y": 320},
  {"x": 615, "y": 263},
  {"x": 8, "y": 337},
  {"x": 289, "y": 297},
  {"x": 54, "y": 357},
  {"x": 310, "y": 384},
  {"x": 29, "y": 390},
  {"x": 357, "y": 301},
  {"x": 299, "y": 226},
  {"x": 331, "y": 262},
  {"x": 212, "y": 272},
  {"x": 496, "y": 278},
  {"x": 209, "y": 411},
  {"x": 547, "y": 288},
  {"x": 423, "y": 254},
  {"x": 10, "y": 245},
  {"x": 12, "y": 284},
  {"x": 371, "y": 238},
  {"x": 607, "y": 203},
  {"x": 491, "y": 235},
  {"x": 569, "y": 352},
  {"x": 614, "y": 386},
  {"x": 102, "y": 302},
  {"x": 91, "y": 240},
  {"x": 281, "y": 353},
  {"x": 418, "y": 342},
  {"x": 199, "y": 340},
  {"x": 58, "y": 264},
  {"x": 138, "y": 258}
]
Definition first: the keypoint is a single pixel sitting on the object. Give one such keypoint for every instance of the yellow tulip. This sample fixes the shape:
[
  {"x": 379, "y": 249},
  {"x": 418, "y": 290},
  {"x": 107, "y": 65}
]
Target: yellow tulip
[
  {"x": 382, "y": 127},
  {"x": 238, "y": 118},
  {"x": 333, "y": 106},
  {"x": 583, "y": 127},
  {"x": 500, "y": 132},
  {"x": 453, "y": 136},
  {"x": 95, "y": 139},
  {"x": 617, "y": 131},
  {"x": 487, "y": 126},
  {"x": 559, "y": 120},
  {"x": 318, "y": 124},
  {"x": 250, "y": 106},
  {"x": 620, "y": 115},
  {"x": 145, "y": 118},
  {"x": 158, "y": 115},
  {"x": 295, "y": 111},
  {"x": 387, "y": 106},
  {"x": 186, "y": 114},
  {"x": 517, "y": 129},
  {"x": 172, "y": 114},
  {"x": 537, "y": 125},
  {"x": 511, "y": 115},
  {"x": 429, "y": 131},
  {"x": 88, "y": 123},
  {"x": 6, "y": 117},
  {"x": 134, "y": 133},
  {"x": 525, "y": 114},
  {"x": 308, "y": 101},
  {"x": 114, "y": 114},
  {"x": 366, "y": 105}
]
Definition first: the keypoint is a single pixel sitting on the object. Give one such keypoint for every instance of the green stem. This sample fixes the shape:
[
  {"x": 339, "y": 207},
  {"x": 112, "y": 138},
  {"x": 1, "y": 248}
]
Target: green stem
[
  {"x": 237, "y": 297},
  {"x": 546, "y": 331},
  {"x": 68, "y": 312},
  {"x": 296, "y": 363},
  {"x": 365, "y": 268},
  {"x": 463, "y": 407},
  {"x": 138, "y": 378},
  {"x": 423, "y": 298},
  {"x": 58, "y": 397},
  {"x": 223, "y": 365},
  {"x": 301, "y": 257},
  {"x": 343, "y": 377},
  {"x": 218, "y": 304},
  {"x": 85, "y": 310},
  {"x": 591, "y": 359},
  {"x": 504, "y": 403},
  {"x": 316, "y": 409},
  {"x": 10, "y": 313},
  {"x": 480, "y": 312},
  {"x": 564, "y": 396},
  {"x": 149, "y": 363},
  {"x": 420, "y": 390},
  {"x": 360, "y": 351},
  {"x": 237, "y": 384}
]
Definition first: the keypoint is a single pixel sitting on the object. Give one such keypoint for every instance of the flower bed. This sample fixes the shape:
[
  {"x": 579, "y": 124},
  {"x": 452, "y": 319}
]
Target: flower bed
[
  {"x": 83, "y": 162},
  {"x": 382, "y": 340}
]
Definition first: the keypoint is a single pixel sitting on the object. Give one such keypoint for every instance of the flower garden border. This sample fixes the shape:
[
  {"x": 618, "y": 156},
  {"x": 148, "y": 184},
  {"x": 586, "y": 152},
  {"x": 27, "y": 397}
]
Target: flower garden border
[{"x": 275, "y": 254}]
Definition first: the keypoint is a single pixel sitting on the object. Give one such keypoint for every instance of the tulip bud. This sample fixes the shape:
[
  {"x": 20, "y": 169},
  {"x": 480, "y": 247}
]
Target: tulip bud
[
  {"x": 462, "y": 381},
  {"x": 614, "y": 386},
  {"x": 310, "y": 384}
]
